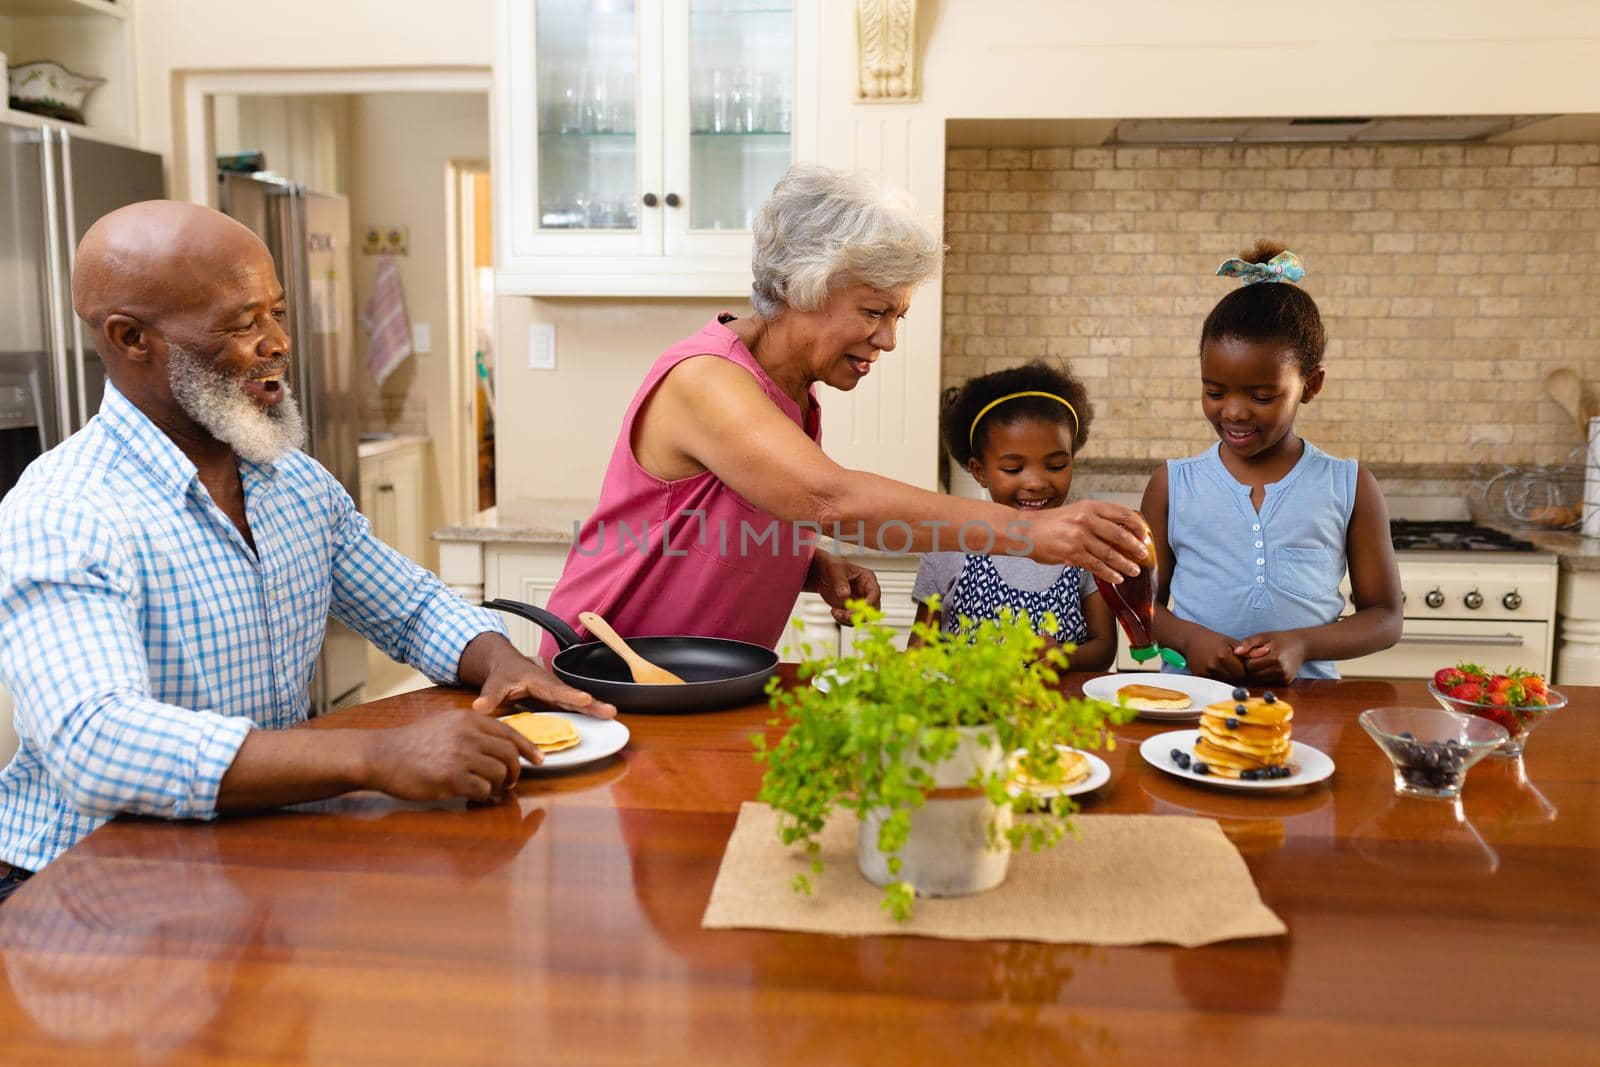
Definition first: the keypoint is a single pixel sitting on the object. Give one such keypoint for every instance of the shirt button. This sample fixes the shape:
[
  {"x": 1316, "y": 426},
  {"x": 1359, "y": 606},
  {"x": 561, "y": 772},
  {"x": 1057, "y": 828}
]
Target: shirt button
[
  {"x": 1259, "y": 579},
  {"x": 1259, "y": 561},
  {"x": 1256, "y": 527},
  {"x": 1258, "y": 544}
]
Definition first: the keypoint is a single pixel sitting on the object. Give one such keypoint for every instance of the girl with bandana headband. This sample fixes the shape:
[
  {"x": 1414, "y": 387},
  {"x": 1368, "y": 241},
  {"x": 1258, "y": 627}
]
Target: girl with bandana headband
[{"x": 1255, "y": 533}]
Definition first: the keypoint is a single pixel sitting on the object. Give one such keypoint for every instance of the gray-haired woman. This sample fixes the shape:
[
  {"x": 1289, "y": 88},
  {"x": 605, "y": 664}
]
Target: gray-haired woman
[{"x": 718, "y": 477}]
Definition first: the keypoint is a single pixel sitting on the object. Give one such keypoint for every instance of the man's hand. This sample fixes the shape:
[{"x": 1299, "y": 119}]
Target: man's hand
[
  {"x": 503, "y": 674},
  {"x": 1211, "y": 655},
  {"x": 1103, "y": 538},
  {"x": 837, "y": 580},
  {"x": 456, "y": 753},
  {"x": 1272, "y": 658}
]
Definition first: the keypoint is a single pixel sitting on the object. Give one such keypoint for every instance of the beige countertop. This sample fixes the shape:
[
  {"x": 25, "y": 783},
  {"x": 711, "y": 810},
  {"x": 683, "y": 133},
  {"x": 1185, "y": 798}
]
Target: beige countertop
[
  {"x": 1575, "y": 551},
  {"x": 545, "y": 521},
  {"x": 524, "y": 520},
  {"x": 553, "y": 522},
  {"x": 374, "y": 449}
]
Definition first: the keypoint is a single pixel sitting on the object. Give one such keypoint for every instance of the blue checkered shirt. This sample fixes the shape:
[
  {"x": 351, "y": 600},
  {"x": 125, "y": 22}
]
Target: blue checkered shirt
[{"x": 143, "y": 639}]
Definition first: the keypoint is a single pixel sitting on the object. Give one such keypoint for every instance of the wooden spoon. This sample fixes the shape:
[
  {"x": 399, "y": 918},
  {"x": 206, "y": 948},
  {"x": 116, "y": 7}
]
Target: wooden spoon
[
  {"x": 644, "y": 672},
  {"x": 1565, "y": 387}
]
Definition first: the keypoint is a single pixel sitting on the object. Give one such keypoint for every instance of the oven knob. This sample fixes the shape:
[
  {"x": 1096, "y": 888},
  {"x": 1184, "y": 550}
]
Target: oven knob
[
  {"x": 1473, "y": 600},
  {"x": 1434, "y": 599},
  {"x": 1512, "y": 600}
]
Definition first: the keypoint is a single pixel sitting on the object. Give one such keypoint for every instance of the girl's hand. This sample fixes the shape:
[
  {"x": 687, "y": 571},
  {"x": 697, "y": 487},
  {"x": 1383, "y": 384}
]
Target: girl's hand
[
  {"x": 1272, "y": 658},
  {"x": 1211, "y": 655}
]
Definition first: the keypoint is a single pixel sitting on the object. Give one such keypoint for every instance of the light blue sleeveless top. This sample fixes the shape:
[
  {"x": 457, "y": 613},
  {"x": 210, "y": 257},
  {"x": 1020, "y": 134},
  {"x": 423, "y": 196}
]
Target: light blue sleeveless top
[{"x": 1238, "y": 572}]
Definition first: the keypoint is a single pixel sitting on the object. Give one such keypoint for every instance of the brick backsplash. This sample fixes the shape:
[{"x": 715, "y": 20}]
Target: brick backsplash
[{"x": 1452, "y": 279}]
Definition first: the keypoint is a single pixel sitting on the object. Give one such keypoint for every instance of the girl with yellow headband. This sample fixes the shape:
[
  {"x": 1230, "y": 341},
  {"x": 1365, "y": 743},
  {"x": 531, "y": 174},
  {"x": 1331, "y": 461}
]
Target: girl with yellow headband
[{"x": 1017, "y": 432}]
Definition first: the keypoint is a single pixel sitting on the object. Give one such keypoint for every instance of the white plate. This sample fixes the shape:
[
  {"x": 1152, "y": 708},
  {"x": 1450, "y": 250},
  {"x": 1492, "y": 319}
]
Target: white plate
[
  {"x": 1203, "y": 691},
  {"x": 1099, "y": 775},
  {"x": 1313, "y": 765},
  {"x": 824, "y": 680},
  {"x": 597, "y": 739}
]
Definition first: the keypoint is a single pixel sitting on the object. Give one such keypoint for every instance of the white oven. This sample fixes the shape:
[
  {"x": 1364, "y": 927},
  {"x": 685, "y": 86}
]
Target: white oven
[{"x": 1497, "y": 609}]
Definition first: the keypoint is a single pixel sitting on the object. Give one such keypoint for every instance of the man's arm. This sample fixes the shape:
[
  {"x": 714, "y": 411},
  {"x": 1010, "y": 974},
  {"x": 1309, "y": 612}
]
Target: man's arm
[
  {"x": 72, "y": 655},
  {"x": 408, "y": 612},
  {"x": 455, "y": 753}
]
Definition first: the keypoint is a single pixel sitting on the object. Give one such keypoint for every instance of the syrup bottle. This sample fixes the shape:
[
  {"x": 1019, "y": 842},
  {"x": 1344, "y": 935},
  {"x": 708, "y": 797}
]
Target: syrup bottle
[{"x": 1134, "y": 604}]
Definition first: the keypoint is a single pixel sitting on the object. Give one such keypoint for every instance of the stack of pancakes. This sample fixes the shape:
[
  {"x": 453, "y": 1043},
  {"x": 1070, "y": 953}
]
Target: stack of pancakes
[{"x": 1244, "y": 735}]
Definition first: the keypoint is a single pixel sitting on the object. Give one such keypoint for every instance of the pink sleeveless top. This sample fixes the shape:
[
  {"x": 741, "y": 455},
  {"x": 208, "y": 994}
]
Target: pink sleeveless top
[{"x": 689, "y": 556}]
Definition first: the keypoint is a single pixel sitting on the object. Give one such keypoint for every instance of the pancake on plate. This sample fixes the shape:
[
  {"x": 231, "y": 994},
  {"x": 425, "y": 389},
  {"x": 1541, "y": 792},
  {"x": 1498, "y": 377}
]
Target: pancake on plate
[
  {"x": 1153, "y": 698},
  {"x": 1073, "y": 769},
  {"x": 551, "y": 733},
  {"x": 1244, "y": 735}
]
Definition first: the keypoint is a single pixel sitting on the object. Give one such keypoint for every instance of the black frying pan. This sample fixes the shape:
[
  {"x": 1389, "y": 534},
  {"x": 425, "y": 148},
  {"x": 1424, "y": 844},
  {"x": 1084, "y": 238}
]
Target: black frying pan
[{"x": 717, "y": 672}]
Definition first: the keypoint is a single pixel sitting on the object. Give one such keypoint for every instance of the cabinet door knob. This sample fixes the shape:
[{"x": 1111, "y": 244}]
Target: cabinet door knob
[
  {"x": 673, "y": 199},
  {"x": 386, "y": 487},
  {"x": 650, "y": 200}
]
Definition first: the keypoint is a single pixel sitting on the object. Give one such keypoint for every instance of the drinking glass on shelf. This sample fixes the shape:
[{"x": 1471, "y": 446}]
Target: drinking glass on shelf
[
  {"x": 700, "y": 119},
  {"x": 622, "y": 102},
  {"x": 571, "y": 106},
  {"x": 722, "y": 102},
  {"x": 596, "y": 93},
  {"x": 748, "y": 115}
]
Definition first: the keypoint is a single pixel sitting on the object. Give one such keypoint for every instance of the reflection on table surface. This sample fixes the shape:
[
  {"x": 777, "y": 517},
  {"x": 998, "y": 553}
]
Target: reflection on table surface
[{"x": 564, "y": 925}]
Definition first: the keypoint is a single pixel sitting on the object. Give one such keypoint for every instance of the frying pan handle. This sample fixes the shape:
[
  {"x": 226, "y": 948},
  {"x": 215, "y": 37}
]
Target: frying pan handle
[{"x": 547, "y": 621}]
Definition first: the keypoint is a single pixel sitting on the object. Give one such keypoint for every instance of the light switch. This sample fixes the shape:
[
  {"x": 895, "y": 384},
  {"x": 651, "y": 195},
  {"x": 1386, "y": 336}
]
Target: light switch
[
  {"x": 542, "y": 346},
  {"x": 421, "y": 338}
]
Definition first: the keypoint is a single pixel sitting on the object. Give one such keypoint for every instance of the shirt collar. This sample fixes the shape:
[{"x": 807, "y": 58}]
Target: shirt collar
[{"x": 154, "y": 450}]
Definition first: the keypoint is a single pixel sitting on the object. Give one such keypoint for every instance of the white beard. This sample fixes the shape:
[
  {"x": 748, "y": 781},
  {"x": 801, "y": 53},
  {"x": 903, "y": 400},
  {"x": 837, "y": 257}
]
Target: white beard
[{"x": 219, "y": 403}]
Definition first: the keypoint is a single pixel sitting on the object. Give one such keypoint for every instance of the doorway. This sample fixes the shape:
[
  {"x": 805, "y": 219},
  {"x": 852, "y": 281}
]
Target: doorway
[{"x": 472, "y": 332}]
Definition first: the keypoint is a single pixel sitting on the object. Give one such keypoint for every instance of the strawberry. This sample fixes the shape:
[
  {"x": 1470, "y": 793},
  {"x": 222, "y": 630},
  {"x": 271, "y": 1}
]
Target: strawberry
[
  {"x": 1472, "y": 670},
  {"x": 1469, "y": 691},
  {"x": 1447, "y": 679},
  {"x": 1537, "y": 692},
  {"x": 1510, "y": 686},
  {"x": 1507, "y": 718},
  {"x": 1500, "y": 698}
]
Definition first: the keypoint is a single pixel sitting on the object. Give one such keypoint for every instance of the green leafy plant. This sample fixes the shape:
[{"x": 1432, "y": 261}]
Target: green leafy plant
[{"x": 865, "y": 743}]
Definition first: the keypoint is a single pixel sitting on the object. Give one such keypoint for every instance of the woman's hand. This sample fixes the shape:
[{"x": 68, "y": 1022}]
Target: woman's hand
[
  {"x": 837, "y": 580},
  {"x": 1272, "y": 658},
  {"x": 1101, "y": 537}
]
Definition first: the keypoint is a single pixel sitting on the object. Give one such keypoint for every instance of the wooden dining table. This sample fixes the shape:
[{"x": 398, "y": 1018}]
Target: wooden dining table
[{"x": 562, "y": 925}]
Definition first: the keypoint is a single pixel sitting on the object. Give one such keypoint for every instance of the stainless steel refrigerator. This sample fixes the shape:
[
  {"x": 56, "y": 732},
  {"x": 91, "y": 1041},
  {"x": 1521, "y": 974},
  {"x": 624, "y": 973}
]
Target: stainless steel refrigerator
[
  {"x": 308, "y": 234},
  {"x": 53, "y": 187}
]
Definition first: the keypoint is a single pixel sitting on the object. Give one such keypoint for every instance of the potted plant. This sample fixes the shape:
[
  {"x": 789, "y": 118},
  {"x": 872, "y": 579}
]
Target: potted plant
[{"x": 922, "y": 746}]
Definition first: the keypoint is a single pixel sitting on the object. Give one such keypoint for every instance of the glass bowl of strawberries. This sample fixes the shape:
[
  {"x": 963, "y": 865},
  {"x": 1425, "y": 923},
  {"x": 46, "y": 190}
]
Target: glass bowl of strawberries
[{"x": 1517, "y": 700}]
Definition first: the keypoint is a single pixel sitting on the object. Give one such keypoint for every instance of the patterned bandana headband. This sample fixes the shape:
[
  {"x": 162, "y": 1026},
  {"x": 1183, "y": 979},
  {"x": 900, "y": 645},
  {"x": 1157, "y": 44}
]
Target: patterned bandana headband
[
  {"x": 972, "y": 431},
  {"x": 1283, "y": 267}
]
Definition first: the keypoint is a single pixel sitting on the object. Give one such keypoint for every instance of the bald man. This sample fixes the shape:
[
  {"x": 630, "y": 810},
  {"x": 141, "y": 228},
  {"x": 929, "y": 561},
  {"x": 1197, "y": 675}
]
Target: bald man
[{"x": 167, "y": 573}]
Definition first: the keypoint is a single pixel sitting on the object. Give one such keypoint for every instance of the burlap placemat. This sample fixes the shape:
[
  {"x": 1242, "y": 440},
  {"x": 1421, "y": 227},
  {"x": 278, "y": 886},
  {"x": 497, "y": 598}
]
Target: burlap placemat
[{"x": 1125, "y": 880}]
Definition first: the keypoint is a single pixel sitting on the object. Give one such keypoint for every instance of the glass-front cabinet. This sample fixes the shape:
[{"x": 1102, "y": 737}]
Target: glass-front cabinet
[{"x": 636, "y": 139}]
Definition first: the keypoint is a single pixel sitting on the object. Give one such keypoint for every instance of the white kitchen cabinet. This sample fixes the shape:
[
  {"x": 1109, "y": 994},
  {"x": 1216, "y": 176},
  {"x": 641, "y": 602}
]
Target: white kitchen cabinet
[
  {"x": 94, "y": 38},
  {"x": 392, "y": 496},
  {"x": 635, "y": 140}
]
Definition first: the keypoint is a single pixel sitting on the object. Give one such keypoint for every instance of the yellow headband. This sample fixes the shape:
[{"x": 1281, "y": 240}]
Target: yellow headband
[{"x": 972, "y": 431}]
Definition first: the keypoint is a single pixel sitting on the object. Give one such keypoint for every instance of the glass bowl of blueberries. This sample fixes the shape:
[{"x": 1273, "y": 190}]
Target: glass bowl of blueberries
[{"x": 1431, "y": 749}]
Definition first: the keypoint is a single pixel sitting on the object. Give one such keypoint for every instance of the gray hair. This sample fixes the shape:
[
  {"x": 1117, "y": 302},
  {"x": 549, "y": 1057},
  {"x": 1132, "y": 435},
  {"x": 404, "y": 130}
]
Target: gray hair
[{"x": 823, "y": 227}]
